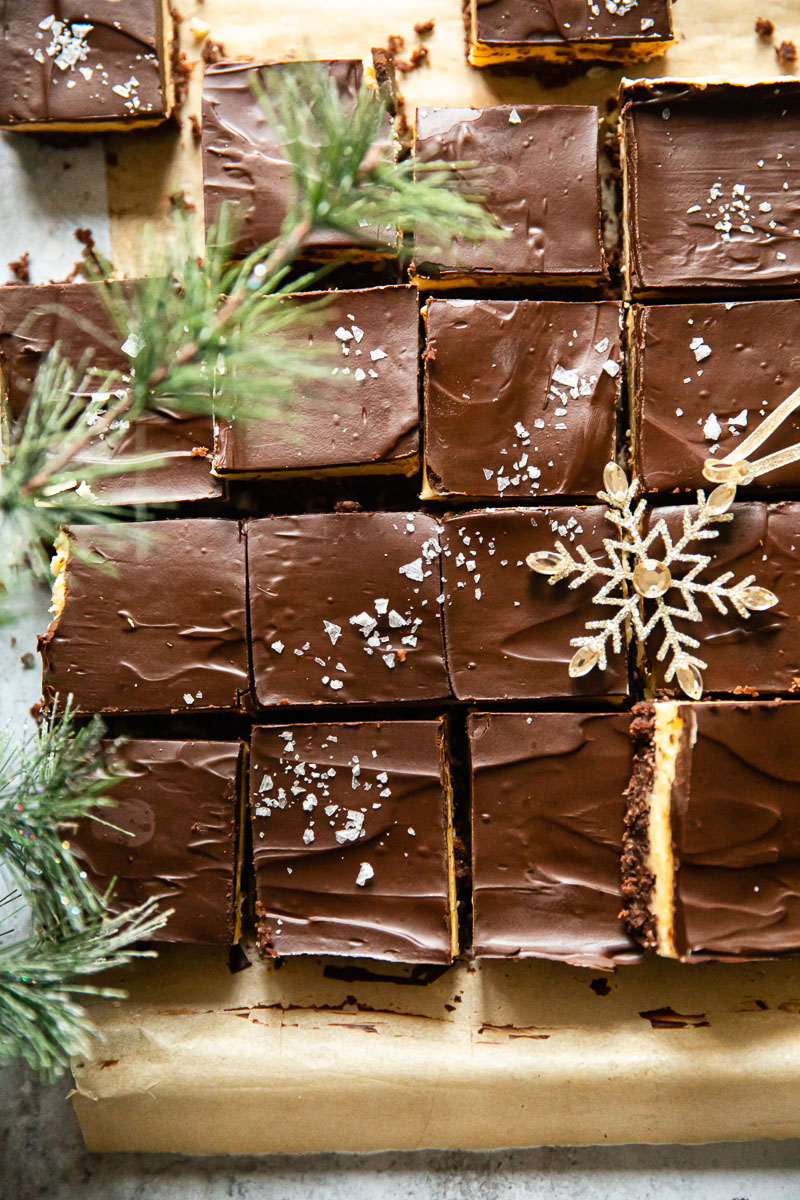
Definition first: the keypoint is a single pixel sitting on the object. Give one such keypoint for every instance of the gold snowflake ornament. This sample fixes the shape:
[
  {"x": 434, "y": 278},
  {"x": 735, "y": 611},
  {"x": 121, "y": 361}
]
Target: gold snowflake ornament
[{"x": 669, "y": 584}]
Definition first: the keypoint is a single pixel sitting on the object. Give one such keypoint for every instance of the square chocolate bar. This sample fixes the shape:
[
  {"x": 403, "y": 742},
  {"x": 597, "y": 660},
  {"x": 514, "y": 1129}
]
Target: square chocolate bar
[
  {"x": 507, "y": 630},
  {"x": 548, "y": 812},
  {"x": 352, "y": 840},
  {"x": 510, "y": 31},
  {"x": 537, "y": 171},
  {"x": 365, "y": 418},
  {"x": 703, "y": 377},
  {"x": 148, "y": 618},
  {"x": 520, "y": 397},
  {"x": 171, "y": 835},
  {"x": 345, "y": 608},
  {"x": 85, "y": 65},
  {"x": 753, "y": 654},
  {"x": 712, "y": 860},
  {"x": 711, "y": 183},
  {"x": 244, "y": 160},
  {"x": 32, "y": 320}
]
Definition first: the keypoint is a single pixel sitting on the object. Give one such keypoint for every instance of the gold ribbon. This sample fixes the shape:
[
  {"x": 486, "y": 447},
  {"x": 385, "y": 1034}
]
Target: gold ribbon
[{"x": 736, "y": 468}]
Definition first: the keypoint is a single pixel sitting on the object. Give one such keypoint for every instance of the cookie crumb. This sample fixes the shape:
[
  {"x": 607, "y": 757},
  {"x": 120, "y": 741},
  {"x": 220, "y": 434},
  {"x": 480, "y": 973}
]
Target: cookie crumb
[
  {"x": 786, "y": 53},
  {"x": 764, "y": 27}
]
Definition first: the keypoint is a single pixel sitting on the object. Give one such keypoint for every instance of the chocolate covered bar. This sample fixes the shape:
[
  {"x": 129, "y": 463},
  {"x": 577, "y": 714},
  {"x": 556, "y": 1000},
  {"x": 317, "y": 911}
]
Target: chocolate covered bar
[
  {"x": 703, "y": 376},
  {"x": 171, "y": 835},
  {"x": 537, "y": 172},
  {"x": 364, "y": 419},
  {"x": 712, "y": 859},
  {"x": 520, "y": 397},
  {"x": 507, "y": 31},
  {"x": 352, "y": 841},
  {"x": 345, "y": 608},
  {"x": 244, "y": 163},
  {"x": 84, "y": 65},
  {"x": 711, "y": 184},
  {"x": 32, "y": 320},
  {"x": 548, "y": 813},
  {"x": 148, "y": 617},
  {"x": 756, "y": 653},
  {"x": 507, "y": 632}
]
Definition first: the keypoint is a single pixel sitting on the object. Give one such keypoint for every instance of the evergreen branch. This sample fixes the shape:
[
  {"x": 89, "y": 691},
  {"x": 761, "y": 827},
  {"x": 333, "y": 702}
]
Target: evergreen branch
[
  {"x": 343, "y": 175},
  {"x": 59, "y": 774},
  {"x": 40, "y": 1020}
]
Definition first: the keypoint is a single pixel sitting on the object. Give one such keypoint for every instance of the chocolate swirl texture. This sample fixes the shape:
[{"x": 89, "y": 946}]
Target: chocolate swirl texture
[
  {"x": 82, "y": 62},
  {"x": 344, "y": 609},
  {"x": 547, "y": 824},
  {"x": 507, "y": 630},
  {"x": 350, "y": 835},
  {"x": 713, "y": 188},
  {"x": 736, "y": 829},
  {"x": 171, "y": 835},
  {"x": 539, "y": 179},
  {"x": 520, "y": 397},
  {"x": 153, "y": 619}
]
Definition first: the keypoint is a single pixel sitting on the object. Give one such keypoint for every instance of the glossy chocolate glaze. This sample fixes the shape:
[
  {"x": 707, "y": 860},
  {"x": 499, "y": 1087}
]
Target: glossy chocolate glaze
[
  {"x": 538, "y": 175},
  {"x": 366, "y": 413},
  {"x": 555, "y": 21},
  {"x": 518, "y": 402},
  {"x": 69, "y": 73},
  {"x": 736, "y": 829},
  {"x": 244, "y": 162},
  {"x": 707, "y": 204},
  {"x": 760, "y": 653},
  {"x": 327, "y": 799},
  {"x": 381, "y": 569},
  {"x": 176, "y": 815},
  {"x": 32, "y": 319},
  {"x": 754, "y": 364},
  {"x": 547, "y": 822},
  {"x": 154, "y": 621},
  {"x": 507, "y": 629}
]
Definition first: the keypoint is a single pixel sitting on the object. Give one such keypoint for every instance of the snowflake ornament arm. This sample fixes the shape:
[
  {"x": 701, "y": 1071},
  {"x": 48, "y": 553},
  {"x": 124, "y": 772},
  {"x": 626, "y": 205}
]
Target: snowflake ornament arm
[{"x": 631, "y": 577}]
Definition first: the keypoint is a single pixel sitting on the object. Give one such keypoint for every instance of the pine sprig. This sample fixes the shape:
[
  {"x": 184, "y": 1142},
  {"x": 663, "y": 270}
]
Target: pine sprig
[
  {"x": 58, "y": 775},
  {"x": 41, "y": 1020}
]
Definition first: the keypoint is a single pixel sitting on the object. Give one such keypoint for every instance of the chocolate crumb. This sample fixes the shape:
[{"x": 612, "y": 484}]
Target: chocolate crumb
[
  {"x": 182, "y": 202},
  {"x": 196, "y": 132},
  {"x": 395, "y": 43},
  {"x": 213, "y": 52},
  {"x": 764, "y": 27},
  {"x": 423, "y": 28},
  {"x": 786, "y": 53},
  {"x": 181, "y": 70},
  {"x": 600, "y": 987},
  {"x": 418, "y": 56},
  {"x": 28, "y": 661},
  {"x": 347, "y": 506},
  {"x": 21, "y": 268}
]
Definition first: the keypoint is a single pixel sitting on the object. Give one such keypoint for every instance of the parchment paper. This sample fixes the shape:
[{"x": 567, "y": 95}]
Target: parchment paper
[{"x": 307, "y": 1058}]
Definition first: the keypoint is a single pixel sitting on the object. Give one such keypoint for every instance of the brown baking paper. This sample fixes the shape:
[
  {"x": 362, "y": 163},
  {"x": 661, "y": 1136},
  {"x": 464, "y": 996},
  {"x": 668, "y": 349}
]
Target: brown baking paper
[{"x": 321, "y": 1057}]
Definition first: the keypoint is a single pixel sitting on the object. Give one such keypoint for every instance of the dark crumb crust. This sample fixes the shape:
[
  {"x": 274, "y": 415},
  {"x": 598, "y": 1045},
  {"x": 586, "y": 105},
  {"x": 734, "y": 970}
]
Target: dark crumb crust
[
  {"x": 637, "y": 878},
  {"x": 266, "y": 945}
]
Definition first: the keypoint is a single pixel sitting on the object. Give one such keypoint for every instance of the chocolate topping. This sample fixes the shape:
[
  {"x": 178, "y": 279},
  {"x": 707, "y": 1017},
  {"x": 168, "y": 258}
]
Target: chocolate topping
[
  {"x": 520, "y": 397},
  {"x": 736, "y": 826},
  {"x": 706, "y": 375},
  {"x": 171, "y": 834},
  {"x": 32, "y": 320},
  {"x": 244, "y": 161},
  {"x": 369, "y": 410},
  {"x": 153, "y": 619},
  {"x": 538, "y": 175},
  {"x": 507, "y": 630},
  {"x": 713, "y": 187},
  {"x": 760, "y": 653},
  {"x": 343, "y": 608},
  {"x": 81, "y": 62},
  {"x": 547, "y": 822},
  {"x": 350, "y": 840},
  {"x": 554, "y": 21}
]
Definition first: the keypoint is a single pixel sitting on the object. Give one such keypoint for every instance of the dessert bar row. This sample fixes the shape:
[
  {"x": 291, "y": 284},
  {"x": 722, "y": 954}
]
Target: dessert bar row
[
  {"x": 586, "y": 845},
  {"x": 521, "y": 397},
  {"x": 391, "y": 607}
]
